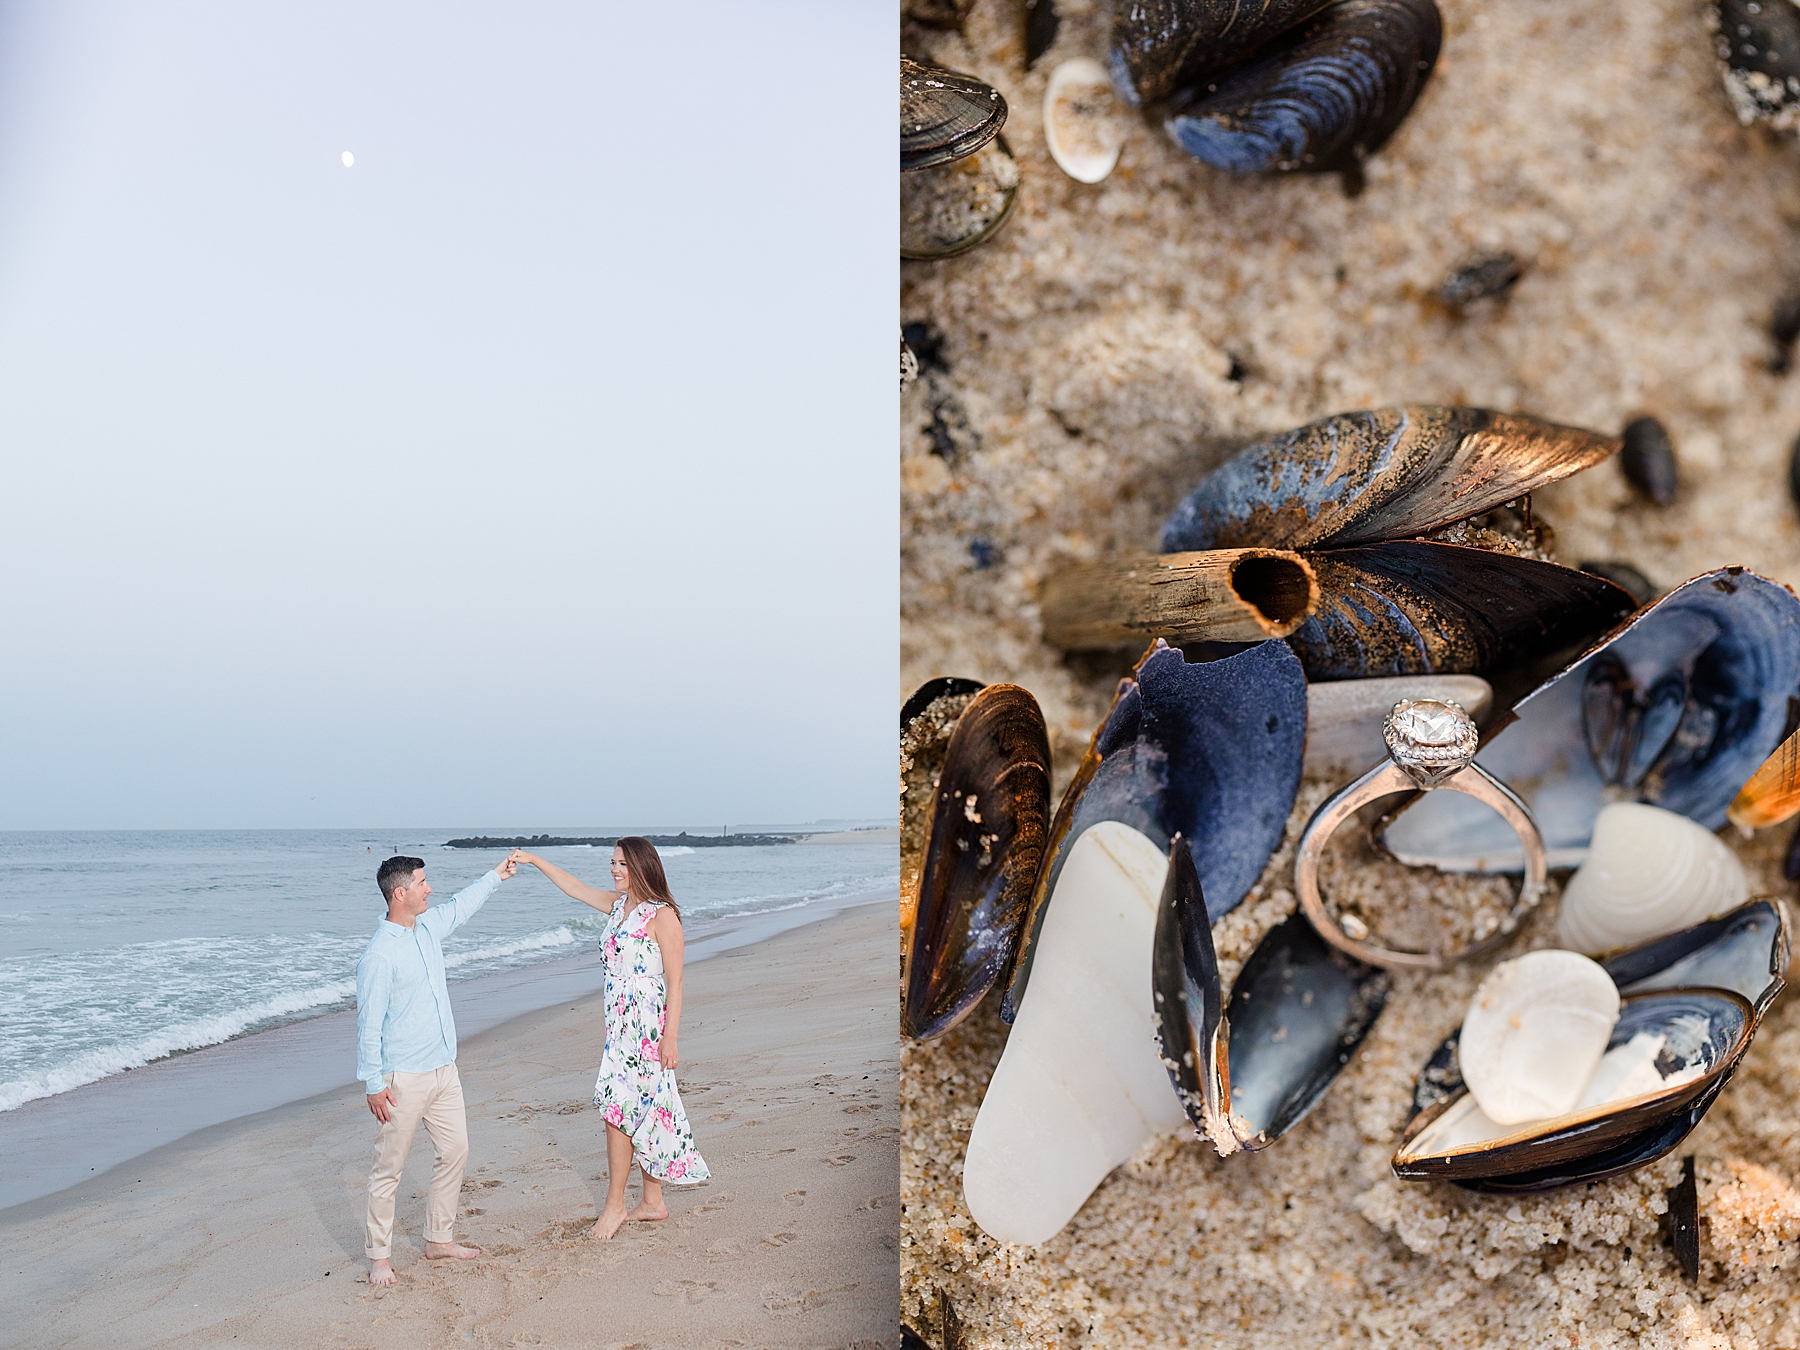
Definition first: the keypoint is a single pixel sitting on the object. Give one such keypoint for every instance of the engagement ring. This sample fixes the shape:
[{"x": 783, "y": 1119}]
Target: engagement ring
[{"x": 1430, "y": 745}]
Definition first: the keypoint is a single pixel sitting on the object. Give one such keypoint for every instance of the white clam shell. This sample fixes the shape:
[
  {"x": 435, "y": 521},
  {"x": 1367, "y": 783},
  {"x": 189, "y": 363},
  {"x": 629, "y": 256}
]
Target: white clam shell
[
  {"x": 1079, "y": 1087},
  {"x": 1084, "y": 128},
  {"x": 1648, "y": 872},
  {"x": 1344, "y": 717},
  {"x": 1535, "y": 1033}
]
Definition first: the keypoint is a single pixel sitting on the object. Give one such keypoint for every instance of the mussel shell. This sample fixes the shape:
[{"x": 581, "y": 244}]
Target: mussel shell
[
  {"x": 1211, "y": 751},
  {"x": 1746, "y": 951},
  {"x": 1626, "y": 1155},
  {"x": 927, "y": 721},
  {"x": 1299, "y": 1009},
  {"x": 944, "y": 116},
  {"x": 1321, "y": 98},
  {"x": 1733, "y": 636},
  {"x": 1184, "y": 987},
  {"x": 1564, "y": 1141},
  {"x": 1423, "y": 608},
  {"x": 1160, "y": 47},
  {"x": 986, "y": 840},
  {"x": 1369, "y": 477}
]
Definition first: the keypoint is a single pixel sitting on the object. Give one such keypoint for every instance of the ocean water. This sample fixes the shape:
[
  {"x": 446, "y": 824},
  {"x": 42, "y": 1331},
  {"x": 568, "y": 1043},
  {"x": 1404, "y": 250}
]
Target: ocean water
[{"x": 118, "y": 948}]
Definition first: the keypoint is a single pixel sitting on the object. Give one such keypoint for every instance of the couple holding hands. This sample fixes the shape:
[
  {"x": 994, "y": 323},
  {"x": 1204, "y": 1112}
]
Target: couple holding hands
[{"x": 406, "y": 1042}]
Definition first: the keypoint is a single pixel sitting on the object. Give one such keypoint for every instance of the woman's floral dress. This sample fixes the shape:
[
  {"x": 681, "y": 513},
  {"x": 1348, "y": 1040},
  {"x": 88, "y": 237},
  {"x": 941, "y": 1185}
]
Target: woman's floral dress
[{"x": 634, "y": 1091}]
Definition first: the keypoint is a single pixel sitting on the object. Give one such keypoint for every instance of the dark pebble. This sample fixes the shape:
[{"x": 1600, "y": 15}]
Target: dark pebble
[
  {"x": 985, "y": 553},
  {"x": 1648, "y": 460},
  {"x": 1041, "y": 23},
  {"x": 926, "y": 342},
  {"x": 1480, "y": 279},
  {"x": 1684, "y": 1220},
  {"x": 1784, "y": 327},
  {"x": 1643, "y": 590}
]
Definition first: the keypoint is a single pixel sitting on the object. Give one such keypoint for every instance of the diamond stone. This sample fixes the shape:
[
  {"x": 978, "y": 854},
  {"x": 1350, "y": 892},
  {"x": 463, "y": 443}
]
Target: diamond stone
[{"x": 1431, "y": 741}]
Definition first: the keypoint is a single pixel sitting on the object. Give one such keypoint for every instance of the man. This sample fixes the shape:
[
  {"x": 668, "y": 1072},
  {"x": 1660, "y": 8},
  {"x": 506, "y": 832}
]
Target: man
[{"x": 406, "y": 1054}]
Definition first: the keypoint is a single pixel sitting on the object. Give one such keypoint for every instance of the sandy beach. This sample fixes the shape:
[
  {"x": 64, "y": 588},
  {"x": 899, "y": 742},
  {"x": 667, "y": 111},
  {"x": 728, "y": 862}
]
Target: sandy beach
[
  {"x": 250, "y": 1232},
  {"x": 1113, "y": 344}
]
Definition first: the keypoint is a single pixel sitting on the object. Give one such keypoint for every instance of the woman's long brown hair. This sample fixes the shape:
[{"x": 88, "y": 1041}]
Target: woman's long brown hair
[{"x": 647, "y": 872}]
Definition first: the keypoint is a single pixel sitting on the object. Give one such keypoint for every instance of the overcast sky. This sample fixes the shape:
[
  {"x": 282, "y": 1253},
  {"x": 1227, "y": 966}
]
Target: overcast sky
[{"x": 538, "y": 469}]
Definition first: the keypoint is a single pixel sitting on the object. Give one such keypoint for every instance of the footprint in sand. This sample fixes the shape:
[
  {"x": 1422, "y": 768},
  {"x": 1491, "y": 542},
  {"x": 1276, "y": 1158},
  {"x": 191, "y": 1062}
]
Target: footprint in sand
[
  {"x": 841, "y": 1160},
  {"x": 778, "y": 1239},
  {"x": 479, "y": 1185},
  {"x": 467, "y": 1212},
  {"x": 795, "y": 1198},
  {"x": 566, "y": 1230},
  {"x": 716, "y": 1202},
  {"x": 786, "y": 1303},
  {"x": 858, "y": 1109},
  {"x": 880, "y": 1201},
  {"x": 688, "y": 1291}
]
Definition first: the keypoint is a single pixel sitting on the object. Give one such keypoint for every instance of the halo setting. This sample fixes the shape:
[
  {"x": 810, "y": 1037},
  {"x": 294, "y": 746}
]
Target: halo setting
[{"x": 1430, "y": 741}]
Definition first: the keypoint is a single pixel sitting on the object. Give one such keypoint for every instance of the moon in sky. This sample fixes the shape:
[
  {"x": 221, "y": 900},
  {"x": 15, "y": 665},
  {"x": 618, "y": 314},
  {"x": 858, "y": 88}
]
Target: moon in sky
[{"x": 349, "y": 159}]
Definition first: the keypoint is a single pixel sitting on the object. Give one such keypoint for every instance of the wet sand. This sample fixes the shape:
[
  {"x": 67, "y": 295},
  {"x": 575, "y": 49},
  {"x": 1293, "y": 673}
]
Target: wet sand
[
  {"x": 250, "y": 1232},
  {"x": 1112, "y": 345}
]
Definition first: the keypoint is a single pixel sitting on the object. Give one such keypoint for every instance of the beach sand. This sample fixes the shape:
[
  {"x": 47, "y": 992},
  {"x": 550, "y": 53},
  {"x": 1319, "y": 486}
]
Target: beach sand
[
  {"x": 250, "y": 1233},
  {"x": 1115, "y": 342}
]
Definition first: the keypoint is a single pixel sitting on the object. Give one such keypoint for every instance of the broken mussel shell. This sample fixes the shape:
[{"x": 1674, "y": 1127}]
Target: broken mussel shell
[
  {"x": 974, "y": 863},
  {"x": 1208, "y": 750},
  {"x": 1678, "y": 707},
  {"x": 1773, "y": 792},
  {"x": 1078, "y": 1089},
  {"x": 1249, "y": 1073},
  {"x": 1353, "y": 493},
  {"x": 1758, "y": 44},
  {"x": 1321, "y": 97},
  {"x": 958, "y": 180},
  {"x": 1717, "y": 977}
]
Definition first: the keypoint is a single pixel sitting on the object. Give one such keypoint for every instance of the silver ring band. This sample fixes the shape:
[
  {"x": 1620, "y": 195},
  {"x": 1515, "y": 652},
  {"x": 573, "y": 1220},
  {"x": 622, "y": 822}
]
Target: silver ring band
[{"x": 1385, "y": 780}]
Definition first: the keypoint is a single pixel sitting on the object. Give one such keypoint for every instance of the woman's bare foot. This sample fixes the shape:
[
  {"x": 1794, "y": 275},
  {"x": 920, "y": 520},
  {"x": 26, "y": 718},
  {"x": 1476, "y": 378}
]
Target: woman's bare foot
[
  {"x": 645, "y": 1213},
  {"x": 440, "y": 1251},
  {"x": 608, "y": 1222},
  {"x": 381, "y": 1273}
]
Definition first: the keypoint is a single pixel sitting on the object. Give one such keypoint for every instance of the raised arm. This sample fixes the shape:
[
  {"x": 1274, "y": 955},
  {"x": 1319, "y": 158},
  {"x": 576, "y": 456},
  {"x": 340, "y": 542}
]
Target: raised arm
[
  {"x": 568, "y": 885},
  {"x": 666, "y": 929}
]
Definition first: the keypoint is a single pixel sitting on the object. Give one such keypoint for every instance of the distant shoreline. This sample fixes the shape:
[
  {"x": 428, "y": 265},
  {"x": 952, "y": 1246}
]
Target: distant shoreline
[{"x": 682, "y": 840}]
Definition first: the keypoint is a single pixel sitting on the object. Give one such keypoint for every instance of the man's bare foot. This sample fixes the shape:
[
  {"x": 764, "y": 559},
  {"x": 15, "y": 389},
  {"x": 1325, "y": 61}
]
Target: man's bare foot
[
  {"x": 644, "y": 1214},
  {"x": 608, "y": 1223},
  {"x": 441, "y": 1251},
  {"x": 381, "y": 1273}
]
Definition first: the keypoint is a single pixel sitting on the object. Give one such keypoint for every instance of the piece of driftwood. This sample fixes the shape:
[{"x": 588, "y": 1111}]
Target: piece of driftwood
[{"x": 1219, "y": 595}]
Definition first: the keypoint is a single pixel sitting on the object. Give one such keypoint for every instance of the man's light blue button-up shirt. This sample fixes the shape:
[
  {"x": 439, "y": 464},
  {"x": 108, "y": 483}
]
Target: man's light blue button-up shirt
[{"x": 403, "y": 1022}]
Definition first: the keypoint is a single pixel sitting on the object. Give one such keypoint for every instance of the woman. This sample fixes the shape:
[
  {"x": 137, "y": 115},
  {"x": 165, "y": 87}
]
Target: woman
[{"x": 636, "y": 1087}]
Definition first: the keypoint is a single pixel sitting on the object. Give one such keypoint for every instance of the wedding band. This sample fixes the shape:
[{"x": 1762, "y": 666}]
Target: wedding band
[{"x": 1430, "y": 745}]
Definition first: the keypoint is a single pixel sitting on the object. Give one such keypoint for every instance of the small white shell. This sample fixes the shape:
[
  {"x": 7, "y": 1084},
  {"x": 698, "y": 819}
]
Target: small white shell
[
  {"x": 1079, "y": 1087},
  {"x": 1648, "y": 872},
  {"x": 1344, "y": 717},
  {"x": 1535, "y": 1033},
  {"x": 1084, "y": 128}
]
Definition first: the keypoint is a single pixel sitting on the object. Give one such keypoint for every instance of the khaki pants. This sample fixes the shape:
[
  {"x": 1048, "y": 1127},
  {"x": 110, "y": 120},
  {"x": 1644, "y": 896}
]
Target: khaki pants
[{"x": 436, "y": 1098}]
